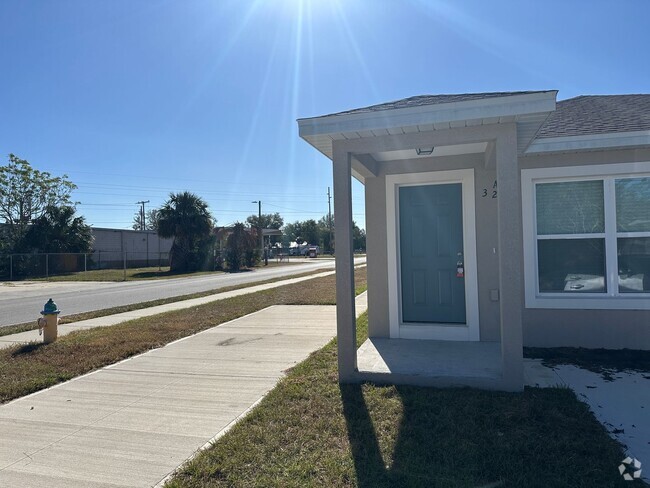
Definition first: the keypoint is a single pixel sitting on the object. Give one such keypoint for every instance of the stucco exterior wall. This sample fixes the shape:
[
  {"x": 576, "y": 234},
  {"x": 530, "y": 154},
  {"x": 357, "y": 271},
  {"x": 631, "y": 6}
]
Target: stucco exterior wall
[
  {"x": 486, "y": 244},
  {"x": 541, "y": 327},
  {"x": 611, "y": 329}
]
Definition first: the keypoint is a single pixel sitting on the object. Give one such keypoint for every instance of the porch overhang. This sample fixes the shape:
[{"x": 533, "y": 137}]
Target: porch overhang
[
  {"x": 364, "y": 144},
  {"x": 527, "y": 110}
]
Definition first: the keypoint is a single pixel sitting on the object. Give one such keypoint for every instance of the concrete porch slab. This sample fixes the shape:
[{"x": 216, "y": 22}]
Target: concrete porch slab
[{"x": 430, "y": 358}]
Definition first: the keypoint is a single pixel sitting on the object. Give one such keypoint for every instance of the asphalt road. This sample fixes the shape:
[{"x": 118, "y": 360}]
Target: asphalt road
[{"x": 22, "y": 301}]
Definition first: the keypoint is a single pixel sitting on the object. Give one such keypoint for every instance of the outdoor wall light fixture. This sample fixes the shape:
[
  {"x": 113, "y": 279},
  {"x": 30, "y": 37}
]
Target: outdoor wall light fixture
[{"x": 424, "y": 151}]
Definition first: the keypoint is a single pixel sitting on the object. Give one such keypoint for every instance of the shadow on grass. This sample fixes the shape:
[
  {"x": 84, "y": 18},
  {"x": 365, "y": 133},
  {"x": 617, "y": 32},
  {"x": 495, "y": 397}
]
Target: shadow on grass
[
  {"x": 470, "y": 438},
  {"x": 368, "y": 461},
  {"x": 28, "y": 348}
]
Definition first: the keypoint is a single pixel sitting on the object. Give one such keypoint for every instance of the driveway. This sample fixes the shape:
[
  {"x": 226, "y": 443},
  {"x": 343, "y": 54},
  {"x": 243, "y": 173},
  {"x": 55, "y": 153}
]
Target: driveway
[{"x": 21, "y": 302}]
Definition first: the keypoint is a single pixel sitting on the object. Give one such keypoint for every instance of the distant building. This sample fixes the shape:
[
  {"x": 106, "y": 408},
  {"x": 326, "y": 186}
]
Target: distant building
[{"x": 142, "y": 247}]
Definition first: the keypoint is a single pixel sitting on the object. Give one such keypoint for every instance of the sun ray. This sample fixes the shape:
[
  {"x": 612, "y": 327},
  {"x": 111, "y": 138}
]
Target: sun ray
[
  {"x": 294, "y": 94},
  {"x": 488, "y": 37},
  {"x": 223, "y": 54},
  {"x": 352, "y": 42}
]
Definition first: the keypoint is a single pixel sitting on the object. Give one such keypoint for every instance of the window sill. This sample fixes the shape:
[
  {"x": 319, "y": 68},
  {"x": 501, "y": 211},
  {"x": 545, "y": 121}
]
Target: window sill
[{"x": 633, "y": 302}]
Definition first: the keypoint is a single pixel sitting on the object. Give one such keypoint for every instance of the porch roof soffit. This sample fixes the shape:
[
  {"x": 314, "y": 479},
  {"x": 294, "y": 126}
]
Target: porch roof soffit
[{"x": 528, "y": 111}]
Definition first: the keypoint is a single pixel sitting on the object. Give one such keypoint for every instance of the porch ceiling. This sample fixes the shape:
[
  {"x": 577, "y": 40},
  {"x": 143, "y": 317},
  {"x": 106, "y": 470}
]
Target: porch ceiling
[{"x": 479, "y": 147}]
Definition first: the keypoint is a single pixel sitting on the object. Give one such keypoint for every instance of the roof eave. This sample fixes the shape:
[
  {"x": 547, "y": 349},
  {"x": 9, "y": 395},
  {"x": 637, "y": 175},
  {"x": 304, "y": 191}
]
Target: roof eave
[{"x": 511, "y": 105}]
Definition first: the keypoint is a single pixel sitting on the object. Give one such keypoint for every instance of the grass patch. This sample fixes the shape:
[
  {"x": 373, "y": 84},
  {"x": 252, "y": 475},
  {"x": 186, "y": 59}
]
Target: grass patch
[
  {"x": 68, "y": 319},
  {"x": 34, "y": 366},
  {"x": 309, "y": 431},
  {"x": 145, "y": 273},
  {"x": 134, "y": 274},
  {"x": 602, "y": 361}
]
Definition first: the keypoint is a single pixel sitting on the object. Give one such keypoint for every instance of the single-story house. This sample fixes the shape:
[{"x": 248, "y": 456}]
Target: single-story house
[{"x": 494, "y": 221}]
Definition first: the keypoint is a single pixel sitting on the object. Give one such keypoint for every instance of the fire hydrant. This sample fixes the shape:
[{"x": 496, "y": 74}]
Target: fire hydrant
[{"x": 50, "y": 321}]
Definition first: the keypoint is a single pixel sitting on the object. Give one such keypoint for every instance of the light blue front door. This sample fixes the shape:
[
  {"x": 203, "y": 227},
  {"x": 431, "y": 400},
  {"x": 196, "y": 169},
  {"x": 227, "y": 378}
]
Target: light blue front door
[{"x": 431, "y": 248}]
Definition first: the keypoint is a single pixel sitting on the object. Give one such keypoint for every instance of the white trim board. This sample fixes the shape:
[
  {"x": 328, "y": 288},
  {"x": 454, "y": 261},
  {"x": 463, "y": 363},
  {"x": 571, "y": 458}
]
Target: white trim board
[
  {"x": 598, "y": 301},
  {"x": 589, "y": 142},
  {"x": 470, "y": 331},
  {"x": 495, "y": 107}
]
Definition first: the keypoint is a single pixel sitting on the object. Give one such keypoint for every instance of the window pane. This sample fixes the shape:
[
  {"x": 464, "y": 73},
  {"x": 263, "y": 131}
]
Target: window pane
[
  {"x": 572, "y": 207},
  {"x": 633, "y": 205},
  {"x": 571, "y": 265},
  {"x": 634, "y": 265}
]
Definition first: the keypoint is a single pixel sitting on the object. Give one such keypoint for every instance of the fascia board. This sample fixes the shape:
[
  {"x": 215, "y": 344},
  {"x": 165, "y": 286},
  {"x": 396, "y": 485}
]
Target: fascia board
[{"x": 429, "y": 114}]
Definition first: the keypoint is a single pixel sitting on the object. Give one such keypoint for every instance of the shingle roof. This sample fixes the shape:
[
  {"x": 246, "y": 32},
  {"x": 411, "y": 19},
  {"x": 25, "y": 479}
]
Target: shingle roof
[
  {"x": 597, "y": 114},
  {"x": 422, "y": 100}
]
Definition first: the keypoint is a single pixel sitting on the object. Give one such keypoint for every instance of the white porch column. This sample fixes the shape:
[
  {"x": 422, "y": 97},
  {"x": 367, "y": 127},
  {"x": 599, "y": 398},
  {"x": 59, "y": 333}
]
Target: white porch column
[
  {"x": 345, "y": 313},
  {"x": 510, "y": 258}
]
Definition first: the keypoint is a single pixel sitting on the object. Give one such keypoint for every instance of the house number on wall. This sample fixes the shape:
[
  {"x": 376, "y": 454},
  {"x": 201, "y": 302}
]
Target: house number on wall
[{"x": 490, "y": 193}]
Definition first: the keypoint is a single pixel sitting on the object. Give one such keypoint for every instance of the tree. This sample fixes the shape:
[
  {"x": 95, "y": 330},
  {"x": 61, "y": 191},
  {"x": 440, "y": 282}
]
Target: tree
[
  {"x": 305, "y": 231},
  {"x": 269, "y": 221},
  {"x": 25, "y": 195},
  {"x": 186, "y": 218},
  {"x": 151, "y": 220},
  {"x": 326, "y": 238},
  {"x": 310, "y": 232},
  {"x": 241, "y": 248},
  {"x": 358, "y": 237},
  {"x": 289, "y": 232},
  {"x": 58, "y": 230}
]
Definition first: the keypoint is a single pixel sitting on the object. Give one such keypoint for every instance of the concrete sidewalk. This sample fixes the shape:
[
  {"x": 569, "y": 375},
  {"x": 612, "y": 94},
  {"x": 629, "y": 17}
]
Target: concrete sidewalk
[
  {"x": 32, "y": 335},
  {"x": 133, "y": 423}
]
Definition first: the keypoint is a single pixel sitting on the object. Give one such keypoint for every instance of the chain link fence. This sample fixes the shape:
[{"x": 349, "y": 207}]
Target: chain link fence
[{"x": 96, "y": 266}]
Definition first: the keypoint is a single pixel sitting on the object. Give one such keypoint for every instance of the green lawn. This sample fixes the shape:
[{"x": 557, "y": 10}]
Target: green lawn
[
  {"x": 148, "y": 273},
  {"x": 34, "y": 366},
  {"x": 132, "y": 274},
  {"x": 309, "y": 431}
]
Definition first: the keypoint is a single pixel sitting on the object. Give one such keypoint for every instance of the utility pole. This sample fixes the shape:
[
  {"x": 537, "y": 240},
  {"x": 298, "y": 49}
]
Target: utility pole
[
  {"x": 329, "y": 215},
  {"x": 143, "y": 225},
  {"x": 259, "y": 229}
]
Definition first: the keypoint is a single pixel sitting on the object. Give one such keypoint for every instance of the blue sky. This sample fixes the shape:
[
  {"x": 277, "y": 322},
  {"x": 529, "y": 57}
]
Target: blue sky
[{"x": 134, "y": 99}]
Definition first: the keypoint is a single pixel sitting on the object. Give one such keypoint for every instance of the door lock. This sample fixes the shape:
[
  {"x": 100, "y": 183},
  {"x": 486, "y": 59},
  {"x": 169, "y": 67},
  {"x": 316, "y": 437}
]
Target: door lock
[{"x": 460, "y": 267}]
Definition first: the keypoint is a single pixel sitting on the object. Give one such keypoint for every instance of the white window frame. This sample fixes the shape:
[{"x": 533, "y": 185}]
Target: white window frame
[{"x": 611, "y": 299}]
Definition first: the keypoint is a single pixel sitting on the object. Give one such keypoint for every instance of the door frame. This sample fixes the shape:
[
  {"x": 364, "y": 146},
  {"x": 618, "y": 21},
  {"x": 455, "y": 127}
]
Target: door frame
[{"x": 448, "y": 332}]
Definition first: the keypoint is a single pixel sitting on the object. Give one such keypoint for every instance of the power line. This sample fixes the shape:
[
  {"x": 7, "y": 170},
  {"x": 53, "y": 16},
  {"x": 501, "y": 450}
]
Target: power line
[{"x": 149, "y": 177}]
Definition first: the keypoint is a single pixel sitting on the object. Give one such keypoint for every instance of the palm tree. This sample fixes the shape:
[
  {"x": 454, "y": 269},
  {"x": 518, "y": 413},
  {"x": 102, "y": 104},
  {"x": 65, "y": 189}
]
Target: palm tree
[
  {"x": 58, "y": 230},
  {"x": 186, "y": 218}
]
